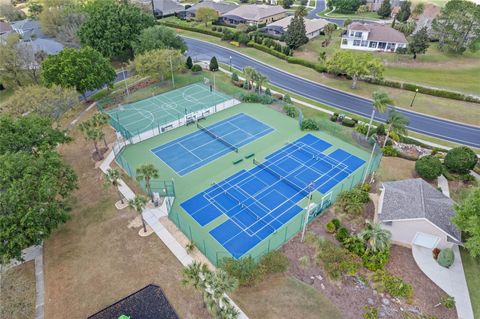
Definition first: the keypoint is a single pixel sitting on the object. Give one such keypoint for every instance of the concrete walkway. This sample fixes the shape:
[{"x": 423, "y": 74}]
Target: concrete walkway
[
  {"x": 451, "y": 280},
  {"x": 152, "y": 218},
  {"x": 443, "y": 184}
]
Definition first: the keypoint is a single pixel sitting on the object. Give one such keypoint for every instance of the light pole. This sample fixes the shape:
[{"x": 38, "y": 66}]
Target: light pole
[
  {"x": 125, "y": 80},
  {"x": 413, "y": 100},
  {"x": 171, "y": 70},
  {"x": 230, "y": 63}
]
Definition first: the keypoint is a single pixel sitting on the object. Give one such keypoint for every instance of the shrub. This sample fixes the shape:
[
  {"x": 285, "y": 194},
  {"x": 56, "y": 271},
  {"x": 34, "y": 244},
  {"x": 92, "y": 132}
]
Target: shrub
[
  {"x": 342, "y": 234},
  {"x": 336, "y": 223},
  {"x": 366, "y": 187},
  {"x": 370, "y": 312},
  {"x": 190, "y": 28},
  {"x": 460, "y": 160},
  {"x": 189, "y": 63},
  {"x": 448, "y": 302},
  {"x": 244, "y": 269},
  {"x": 287, "y": 99},
  {"x": 363, "y": 129},
  {"x": 268, "y": 92},
  {"x": 304, "y": 261},
  {"x": 196, "y": 68},
  {"x": 394, "y": 286},
  {"x": 227, "y": 35},
  {"x": 235, "y": 43},
  {"x": 290, "y": 110},
  {"x": 375, "y": 260},
  {"x": 234, "y": 76},
  {"x": 435, "y": 253},
  {"x": 310, "y": 125},
  {"x": 214, "y": 28},
  {"x": 348, "y": 122},
  {"x": 190, "y": 247},
  {"x": 274, "y": 262},
  {"x": 354, "y": 245},
  {"x": 333, "y": 117},
  {"x": 390, "y": 151},
  {"x": 330, "y": 227},
  {"x": 428, "y": 167},
  {"x": 255, "y": 98},
  {"x": 446, "y": 258},
  {"x": 213, "y": 66},
  {"x": 380, "y": 130},
  {"x": 336, "y": 260}
]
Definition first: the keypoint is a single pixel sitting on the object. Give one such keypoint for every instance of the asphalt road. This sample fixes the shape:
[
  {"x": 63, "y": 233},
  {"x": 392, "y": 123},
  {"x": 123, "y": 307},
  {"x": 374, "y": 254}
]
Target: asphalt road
[
  {"x": 320, "y": 6},
  {"x": 440, "y": 128}
]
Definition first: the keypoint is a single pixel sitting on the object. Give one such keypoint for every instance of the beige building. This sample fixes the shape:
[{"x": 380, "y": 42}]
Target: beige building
[
  {"x": 254, "y": 14},
  {"x": 313, "y": 27},
  {"x": 416, "y": 213}
]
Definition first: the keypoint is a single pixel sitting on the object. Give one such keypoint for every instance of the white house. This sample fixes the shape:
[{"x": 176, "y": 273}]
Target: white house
[
  {"x": 372, "y": 37},
  {"x": 418, "y": 214},
  {"x": 312, "y": 27}
]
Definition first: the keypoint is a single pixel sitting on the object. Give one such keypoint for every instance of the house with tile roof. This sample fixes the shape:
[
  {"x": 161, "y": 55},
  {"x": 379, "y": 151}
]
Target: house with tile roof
[
  {"x": 313, "y": 27},
  {"x": 219, "y": 7},
  {"x": 165, "y": 8},
  {"x": 254, "y": 14},
  {"x": 372, "y": 37},
  {"x": 416, "y": 213}
]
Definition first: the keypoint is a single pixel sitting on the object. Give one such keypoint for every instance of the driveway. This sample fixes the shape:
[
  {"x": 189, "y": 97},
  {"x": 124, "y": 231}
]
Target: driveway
[{"x": 425, "y": 124}]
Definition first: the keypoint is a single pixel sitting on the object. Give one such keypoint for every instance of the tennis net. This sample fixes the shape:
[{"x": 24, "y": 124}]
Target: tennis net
[
  {"x": 282, "y": 178},
  {"x": 218, "y": 138}
]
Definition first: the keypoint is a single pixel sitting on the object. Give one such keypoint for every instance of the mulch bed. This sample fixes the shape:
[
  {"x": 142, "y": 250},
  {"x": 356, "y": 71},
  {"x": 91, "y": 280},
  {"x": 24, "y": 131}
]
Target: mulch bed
[
  {"x": 147, "y": 303},
  {"x": 349, "y": 294}
]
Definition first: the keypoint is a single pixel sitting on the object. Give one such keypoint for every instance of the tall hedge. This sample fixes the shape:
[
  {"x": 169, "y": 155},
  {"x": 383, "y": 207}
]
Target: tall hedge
[{"x": 428, "y": 167}]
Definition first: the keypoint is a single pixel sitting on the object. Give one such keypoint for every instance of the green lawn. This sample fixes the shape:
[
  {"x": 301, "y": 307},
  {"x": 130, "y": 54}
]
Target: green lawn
[
  {"x": 435, "y": 68},
  {"x": 472, "y": 272},
  {"x": 363, "y": 16}
]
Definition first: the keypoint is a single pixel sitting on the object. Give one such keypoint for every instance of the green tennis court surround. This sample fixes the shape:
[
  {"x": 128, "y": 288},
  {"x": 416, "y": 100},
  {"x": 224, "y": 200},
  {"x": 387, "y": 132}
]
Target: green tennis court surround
[
  {"x": 285, "y": 137},
  {"x": 160, "y": 111}
]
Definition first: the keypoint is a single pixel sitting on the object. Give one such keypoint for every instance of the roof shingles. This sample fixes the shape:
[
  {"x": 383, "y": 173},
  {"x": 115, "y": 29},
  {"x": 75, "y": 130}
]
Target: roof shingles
[{"x": 415, "y": 198}]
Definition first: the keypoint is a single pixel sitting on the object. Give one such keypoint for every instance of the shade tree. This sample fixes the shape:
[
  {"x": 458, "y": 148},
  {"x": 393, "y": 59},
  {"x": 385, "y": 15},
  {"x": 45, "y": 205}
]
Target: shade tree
[{"x": 158, "y": 37}]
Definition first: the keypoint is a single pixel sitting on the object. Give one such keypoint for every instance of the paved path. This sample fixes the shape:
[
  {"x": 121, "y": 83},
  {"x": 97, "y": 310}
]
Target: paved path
[
  {"x": 421, "y": 123},
  {"x": 443, "y": 184},
  {"x": 451, "y": 280}
]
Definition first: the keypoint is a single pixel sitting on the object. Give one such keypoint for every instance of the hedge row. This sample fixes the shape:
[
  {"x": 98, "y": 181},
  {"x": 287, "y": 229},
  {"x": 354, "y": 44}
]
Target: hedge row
[
  {"x": 188, "y": 28},
  {"x": 424, "y": 90}
]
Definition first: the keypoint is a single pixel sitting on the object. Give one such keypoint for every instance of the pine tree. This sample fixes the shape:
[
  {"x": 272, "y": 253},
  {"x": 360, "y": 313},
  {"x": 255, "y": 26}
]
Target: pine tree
[
  {"x": 419, "y": 43},
  {"x": 404, "y": 12},
  {"x": 296, "y": 36},
  {"x": 213, "y": 64},
  {"x": 189, "y": 63},
  {"x": 385, "y": 9}
]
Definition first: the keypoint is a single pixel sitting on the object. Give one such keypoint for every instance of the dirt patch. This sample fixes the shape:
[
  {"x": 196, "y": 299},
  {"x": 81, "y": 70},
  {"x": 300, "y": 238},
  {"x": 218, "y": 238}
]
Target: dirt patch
[
  {"x": 17, "y": 292},
  {"x": 350, "y": 295},
  {"x": 95, "y": 259}
]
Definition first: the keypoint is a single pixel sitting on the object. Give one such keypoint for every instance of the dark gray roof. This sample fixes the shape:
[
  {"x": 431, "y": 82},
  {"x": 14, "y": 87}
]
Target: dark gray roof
[
  {"x": 415, "y": 198},
  {"x": 220, "y": 7},
  {"x": 28, "y": 29},
  {"x": 167, "y": 6}
]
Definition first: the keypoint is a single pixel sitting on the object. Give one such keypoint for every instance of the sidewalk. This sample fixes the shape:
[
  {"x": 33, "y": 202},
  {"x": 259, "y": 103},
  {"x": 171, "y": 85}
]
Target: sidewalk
[{"x": 451, "y": 280}]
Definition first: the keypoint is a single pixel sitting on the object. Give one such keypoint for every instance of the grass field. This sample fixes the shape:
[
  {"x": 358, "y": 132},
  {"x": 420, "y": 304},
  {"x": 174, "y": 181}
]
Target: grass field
[
  {"x": 441, "y": 107},
  {"x": 285, "y": 297},
  {"x": 17, "y": 292},
  {"x": 472, "y": 272},
  {"x": 357, "y": 16}
]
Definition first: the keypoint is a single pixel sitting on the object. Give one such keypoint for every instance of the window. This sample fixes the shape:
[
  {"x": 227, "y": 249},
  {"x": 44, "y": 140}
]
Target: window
[
  {"x": 382, "y": 45},
  {"x": 391, "y": 46},
  {"x": 364, "y": 43},
  {"x": 373, "y": 44},
  {"x": 344, "y": 42},
  {"x": 356, "y": 43},
  {"x": 352, "y": 33},
  {"x": 358, "y": 34}
]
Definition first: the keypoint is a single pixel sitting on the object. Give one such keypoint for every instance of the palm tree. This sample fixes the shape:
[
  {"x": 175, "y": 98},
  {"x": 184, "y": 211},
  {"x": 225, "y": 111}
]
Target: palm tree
[
  {"x": 218, "y": 284},
  {"x": 261, "y": 80},
  {"x": 397, "y": 123},
  {"x": 250, "y": 75},
  {"x": 194, "y": 275},
  {"x": 138, "y": 204},
  {"x": 92, "y": 133},
  {"x": 99, "y": 120},
  {"x": 377, "y": 238},
  {"x": 112, "y": 178},
  {"x": 147, "y": 172},
  {"x": 380, "y": 104}
]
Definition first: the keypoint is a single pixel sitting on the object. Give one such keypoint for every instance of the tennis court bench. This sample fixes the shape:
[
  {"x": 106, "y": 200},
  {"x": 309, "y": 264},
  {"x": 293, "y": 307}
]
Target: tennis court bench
[
  {"x": 250, "y": 155},
  {"x": 235, "y": 162}
]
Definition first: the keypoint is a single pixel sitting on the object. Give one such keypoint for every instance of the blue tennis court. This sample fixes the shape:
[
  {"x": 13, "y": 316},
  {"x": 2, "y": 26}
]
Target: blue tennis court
[
  {"x": 197, "y": 149},
  {"x": 259, "y": 201}
]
